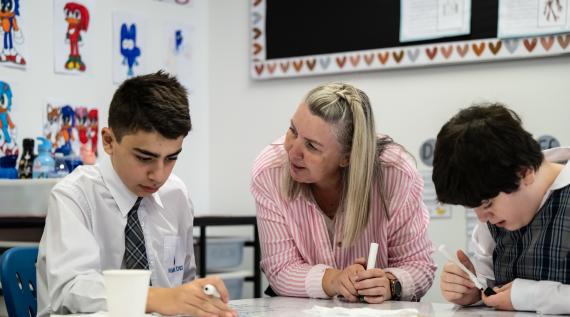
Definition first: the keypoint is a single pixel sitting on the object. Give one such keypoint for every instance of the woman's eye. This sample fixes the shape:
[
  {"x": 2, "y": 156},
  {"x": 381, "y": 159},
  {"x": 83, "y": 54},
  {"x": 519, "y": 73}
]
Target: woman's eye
[
  {"x": 310, "y": 146},
  {"x": 173, "y": 158}
]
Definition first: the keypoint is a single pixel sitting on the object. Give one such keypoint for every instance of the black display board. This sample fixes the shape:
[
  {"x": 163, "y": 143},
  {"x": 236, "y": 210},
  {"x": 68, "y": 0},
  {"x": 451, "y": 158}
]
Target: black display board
[
  {"x": 311, "y": 37},
  {"x": 310, "y": 27}
]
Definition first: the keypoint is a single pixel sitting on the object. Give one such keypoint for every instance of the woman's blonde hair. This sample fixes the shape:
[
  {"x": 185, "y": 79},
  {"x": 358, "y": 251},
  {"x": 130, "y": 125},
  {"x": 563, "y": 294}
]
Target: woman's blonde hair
[{"x": 348, "y": 110}]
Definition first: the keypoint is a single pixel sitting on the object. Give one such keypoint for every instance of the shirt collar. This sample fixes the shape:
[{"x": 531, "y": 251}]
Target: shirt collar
[
  {"x": 124, "y": 198},
  {"x": 559, "y": 155}
]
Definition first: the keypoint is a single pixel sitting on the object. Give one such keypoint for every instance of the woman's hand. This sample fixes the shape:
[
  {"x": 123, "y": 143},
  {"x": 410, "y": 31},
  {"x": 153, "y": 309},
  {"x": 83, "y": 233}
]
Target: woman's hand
[
  {"x": 336, "y": 282},
  {"x": 374, "y": 285}
]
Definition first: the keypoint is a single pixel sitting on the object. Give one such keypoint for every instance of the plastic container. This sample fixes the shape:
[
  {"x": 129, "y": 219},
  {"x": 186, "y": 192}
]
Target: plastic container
[
  {"x": 7, "y": 166},
  {"x": 26, "y": 160},
  {"x": 72, "y": 161},
  {"x": 44, "y": 163},
  {"x": 224, "y": 253},
  {"x": 60, "y": 168},
  {"x": 8, "y": 173}
]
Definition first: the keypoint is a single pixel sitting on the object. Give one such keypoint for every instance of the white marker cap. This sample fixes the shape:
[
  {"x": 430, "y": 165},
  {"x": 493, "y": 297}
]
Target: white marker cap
[
  {"x": 372, "y": 256},
  {"x": 211, "y": 290}
]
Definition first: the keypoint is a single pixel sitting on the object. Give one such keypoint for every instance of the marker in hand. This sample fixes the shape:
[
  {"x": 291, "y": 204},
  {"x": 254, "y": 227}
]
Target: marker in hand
[
  {"x": 487, "y": 291},
  {"x": 371, "y": 262},
  {"x": 372, "y": 256},
  {"x": 211, "y": 290}
]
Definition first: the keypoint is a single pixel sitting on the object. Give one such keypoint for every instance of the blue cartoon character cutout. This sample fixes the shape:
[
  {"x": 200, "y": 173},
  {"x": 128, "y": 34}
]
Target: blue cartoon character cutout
[
  {"x": 178, "y": 40},
  {"x": 8, "y": 146},
  {"x": 129, "y": 50},
  {"x": 9, "y": 10},
  {"x": 65, "y": 135}
]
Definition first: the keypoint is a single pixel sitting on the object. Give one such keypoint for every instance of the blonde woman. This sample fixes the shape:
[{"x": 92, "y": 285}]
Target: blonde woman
[{"x": 327, "y": 190}]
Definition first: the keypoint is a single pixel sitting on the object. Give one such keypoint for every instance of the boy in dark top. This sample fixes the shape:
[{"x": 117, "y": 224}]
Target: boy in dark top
[{"x": 485, "y": 160}]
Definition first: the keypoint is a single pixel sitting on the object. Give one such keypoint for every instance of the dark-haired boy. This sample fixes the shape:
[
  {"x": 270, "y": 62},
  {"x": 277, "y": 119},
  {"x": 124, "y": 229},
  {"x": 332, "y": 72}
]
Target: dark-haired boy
[
  {"x": 128, "y": 212},
  {"x": 485, "y": 160}
]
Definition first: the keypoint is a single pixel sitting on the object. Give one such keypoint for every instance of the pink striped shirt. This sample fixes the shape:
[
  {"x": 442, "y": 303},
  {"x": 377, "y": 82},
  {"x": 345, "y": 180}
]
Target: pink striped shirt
[{"x": 295, "y": 245}]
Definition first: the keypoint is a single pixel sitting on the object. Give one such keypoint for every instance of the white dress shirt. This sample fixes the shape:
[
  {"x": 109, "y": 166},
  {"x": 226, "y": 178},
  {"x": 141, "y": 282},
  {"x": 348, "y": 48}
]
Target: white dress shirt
[
  {"x": 544, "y": 297},
  {"x": 84, "y": 235}
]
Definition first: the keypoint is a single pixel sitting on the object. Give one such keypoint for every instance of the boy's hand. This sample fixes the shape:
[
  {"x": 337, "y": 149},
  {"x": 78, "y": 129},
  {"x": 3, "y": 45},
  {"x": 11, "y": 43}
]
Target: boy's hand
[
  {"x": 189, "y": 299},
  {"x": 502, "y": 300},
  {"x": 337, "y": 282},
  {"x": 455, "y": 284}
]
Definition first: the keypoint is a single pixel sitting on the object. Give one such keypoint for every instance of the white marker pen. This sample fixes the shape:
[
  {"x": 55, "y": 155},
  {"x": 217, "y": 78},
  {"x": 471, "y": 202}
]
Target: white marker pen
[
  {"x": 372, "y": 256},
  {"x": 371, "y": 262},
  {"x": 488, "y": 291},
  {"x": 211, "y": 290}
]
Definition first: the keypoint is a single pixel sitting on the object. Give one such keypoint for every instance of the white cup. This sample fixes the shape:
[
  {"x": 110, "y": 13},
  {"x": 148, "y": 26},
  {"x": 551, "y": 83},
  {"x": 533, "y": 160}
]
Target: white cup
[{"x": 126, "y": 292}]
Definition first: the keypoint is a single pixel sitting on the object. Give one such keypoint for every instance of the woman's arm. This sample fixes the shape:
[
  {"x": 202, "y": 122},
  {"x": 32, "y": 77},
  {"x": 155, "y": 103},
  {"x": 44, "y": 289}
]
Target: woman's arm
[
  {"x": 409, "y": 246},
  {"x": 287, "y": 272}
]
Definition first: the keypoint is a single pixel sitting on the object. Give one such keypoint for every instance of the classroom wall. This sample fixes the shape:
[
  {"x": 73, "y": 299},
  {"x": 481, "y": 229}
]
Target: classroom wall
[
  {"x": 409, "y": 104},
  {"x": 38, "y": 83}
]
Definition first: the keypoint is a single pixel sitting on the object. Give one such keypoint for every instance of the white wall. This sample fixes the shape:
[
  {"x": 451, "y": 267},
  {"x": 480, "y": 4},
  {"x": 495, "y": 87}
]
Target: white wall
[
  {"x": 38, "y": 83},
  {"x": 410, "y": 105}
]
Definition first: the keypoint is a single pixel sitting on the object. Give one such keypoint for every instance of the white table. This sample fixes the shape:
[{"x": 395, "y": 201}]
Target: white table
[
  {"x": 289, "y": 306},
  {"x": 294, "y": 307}
]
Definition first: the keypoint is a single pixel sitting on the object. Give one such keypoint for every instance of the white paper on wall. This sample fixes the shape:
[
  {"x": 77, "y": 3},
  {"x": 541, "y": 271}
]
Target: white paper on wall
[
  {"x": 72, "y": 40},
  {"x": 518, "y": 18},
  {"x": 435, "y": 208},
  {"x": 14, "y": 34},
  {"x": 9, "y": 106},
  {"x": 129, "y": 45},
  {"x": 431, "y": 19},
  {"x": 177, "y": 46},
  {"x": 179, "y": 2}
]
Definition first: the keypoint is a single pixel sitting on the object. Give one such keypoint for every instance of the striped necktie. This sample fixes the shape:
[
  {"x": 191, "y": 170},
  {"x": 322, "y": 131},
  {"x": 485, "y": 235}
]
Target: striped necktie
[{"x": 135, "y": 250}]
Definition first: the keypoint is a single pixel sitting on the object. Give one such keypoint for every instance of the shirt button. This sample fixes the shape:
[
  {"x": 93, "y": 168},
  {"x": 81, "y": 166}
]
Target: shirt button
[{"x": 339, "y": 244}]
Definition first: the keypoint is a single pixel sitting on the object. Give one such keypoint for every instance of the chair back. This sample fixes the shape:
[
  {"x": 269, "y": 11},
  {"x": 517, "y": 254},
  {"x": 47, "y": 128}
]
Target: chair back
[{"x": 18, "y": 277}]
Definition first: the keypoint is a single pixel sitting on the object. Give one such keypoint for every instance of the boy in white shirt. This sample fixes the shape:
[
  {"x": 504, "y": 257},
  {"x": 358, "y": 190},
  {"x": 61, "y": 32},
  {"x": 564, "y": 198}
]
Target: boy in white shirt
[
  {"x": 485, "y": 160},
  {"x": 128, "y": 212}
]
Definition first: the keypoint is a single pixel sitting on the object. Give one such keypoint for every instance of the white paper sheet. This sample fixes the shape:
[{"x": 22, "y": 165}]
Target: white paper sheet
[
  {"x": 431, "y": 19},
  {"x": 358, "y": 312},
  {"x": 519, "y": 18}
]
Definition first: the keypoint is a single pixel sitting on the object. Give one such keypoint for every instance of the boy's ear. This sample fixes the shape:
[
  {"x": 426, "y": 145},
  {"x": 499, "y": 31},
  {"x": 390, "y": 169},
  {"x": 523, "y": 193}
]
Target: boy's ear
[
  {"x": 107, "y": 138},
  {"x": 527, "y": 176}
]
